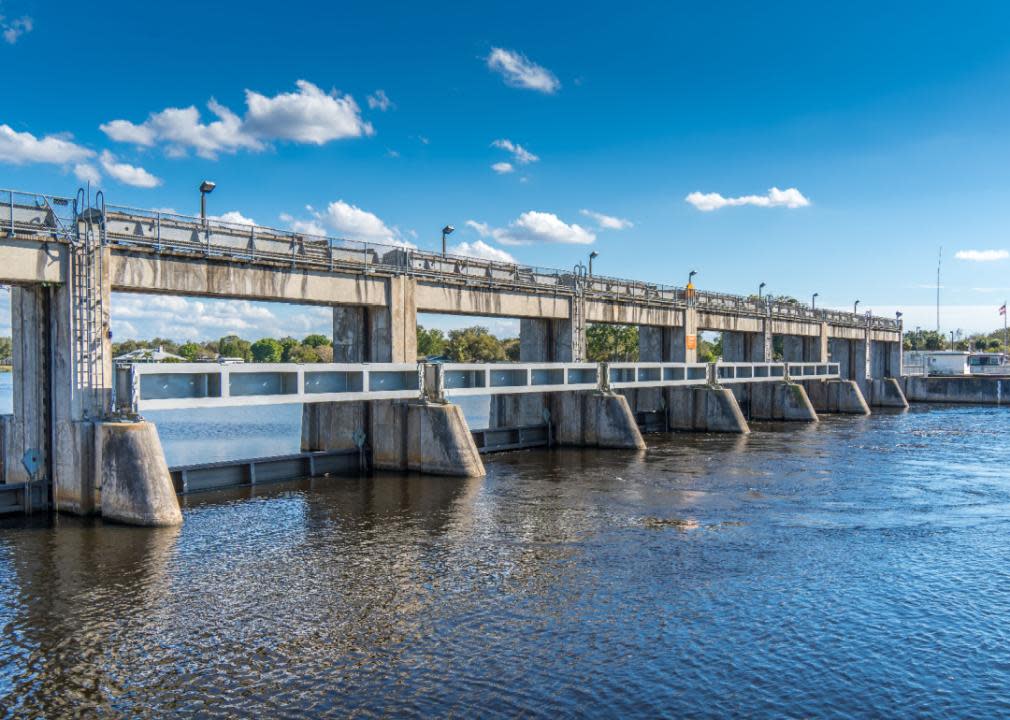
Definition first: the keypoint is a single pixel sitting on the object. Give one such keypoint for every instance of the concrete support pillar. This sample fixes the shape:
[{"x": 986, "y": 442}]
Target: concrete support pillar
[
  {"x": 364, "y": 334},
  {"x": 785, "y": 401},
  {"x": 591, "y": 419},
  {"x": 136, "y": 485},
  {"x": 836, "y": 396},
  {"x": 426, "y": 437},
  {"x": 30, "y": 427},
  {"x": 887, "y": 392},
  {"x": 804, "y": 348},
  {"x": 62, "y": 379},
  {"x": 539, "y": 341},
  {"x": 705, "y": 409},
  {"x": 793, "y": 348}
]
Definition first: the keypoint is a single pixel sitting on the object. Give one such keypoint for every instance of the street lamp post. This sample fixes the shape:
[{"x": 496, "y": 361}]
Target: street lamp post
[
  {"x": 206, "y": 188},
  {"x": 446, "y": 231},
  {"x": 813, "y": 301},
  {"x": 855, "y": 307},
  {"x": 592, "y": 256},
  {"x": 761, "y": 288}
]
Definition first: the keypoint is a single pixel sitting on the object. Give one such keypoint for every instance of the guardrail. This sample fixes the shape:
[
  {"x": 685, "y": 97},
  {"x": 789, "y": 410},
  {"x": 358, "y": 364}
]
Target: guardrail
[
  {"x": 624, "y": 375},
  {"x": 173, "y": 386}
]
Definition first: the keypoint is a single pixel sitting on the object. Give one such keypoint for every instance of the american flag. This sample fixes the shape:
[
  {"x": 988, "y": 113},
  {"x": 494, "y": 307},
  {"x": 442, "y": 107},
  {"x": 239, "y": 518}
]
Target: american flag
[{"x": 1002, "y": 309}]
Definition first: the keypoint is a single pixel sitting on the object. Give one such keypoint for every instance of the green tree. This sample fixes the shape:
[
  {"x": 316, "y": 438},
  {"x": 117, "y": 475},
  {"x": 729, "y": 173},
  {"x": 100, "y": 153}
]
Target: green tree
[
  {"x": 191, "y": 351},
  {"x": 430, "y": 342},
  {"x": 995, "y": 345},
  {"x": 6, "y": 351},
  {"x": 234, "y": 347},
  {"x": 288, "y": 346},
  {"x": 266, "y": 350},
  {"x": 474, "y": 344},
  {"x": 305, "y": 354},
  {"x": 316, "y": 340},
  {"x": 612, "y": 343},
  {"x": 511, "y": 348}
]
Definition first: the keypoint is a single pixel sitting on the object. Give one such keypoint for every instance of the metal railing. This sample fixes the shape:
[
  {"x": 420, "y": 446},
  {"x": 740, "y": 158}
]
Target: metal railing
[{"x": 172, "y": 386}]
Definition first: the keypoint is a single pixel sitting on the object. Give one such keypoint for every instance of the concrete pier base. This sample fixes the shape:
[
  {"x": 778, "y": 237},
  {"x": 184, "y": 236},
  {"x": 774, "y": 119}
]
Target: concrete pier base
[
  {"x": 705, "y": 409},
  {"x": 837, "y": 396},
  {"x": 887, "y": 393},
  {"x": 424, "y": 437},
  {"x": 332, "y": 425},
  {"x": 136, "y": 487},
  {"x": 786, "y": 401},
  {"x": 594, "y": 419}
]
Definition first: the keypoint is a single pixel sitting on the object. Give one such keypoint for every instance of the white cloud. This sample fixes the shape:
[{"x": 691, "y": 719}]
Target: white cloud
[
  {"x": 519, "y": 71},
  {"x": 380, "y": 101},
  {"x": 234, "y": 217},
  {"x": 306, "y": 116},
  {"x": 482, "y": 229},
  {"x": 348, "y": 222},
  {"x": 23, "y": 147},
  {"x": 542, "y": 227},
  {"x": 305, "y": 227},
  {"x": 608, "y": 222},
  {"x": 520, "y": 154},
  {"x": 126, "y": 173},
  {"x": 480, "y": 249},
  {"x": 502, "y": 168},
  {"x": 790, "y": 198},
  {"x": 14, "y": 29},
  {"x": 982, "y": 255},
  {"x": 87, "y": 173},
  {"x": 187, "y": 318}
]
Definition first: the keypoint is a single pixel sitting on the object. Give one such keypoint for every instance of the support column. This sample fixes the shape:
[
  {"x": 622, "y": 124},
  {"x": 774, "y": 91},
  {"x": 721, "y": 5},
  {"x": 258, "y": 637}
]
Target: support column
[
  {"x": 423, "y": 436},
  {"x": 81, "y": 379},
  {"x": 836, "y": 396},
  {"x": 786, "y": 401},
  {"x": 539, "y": 341},
  {"x": 883, "y": 386},
  {"x": 30, "y": 427},
  {"x": 366, "y": 334},
  {"x": 710, "y": 408}
]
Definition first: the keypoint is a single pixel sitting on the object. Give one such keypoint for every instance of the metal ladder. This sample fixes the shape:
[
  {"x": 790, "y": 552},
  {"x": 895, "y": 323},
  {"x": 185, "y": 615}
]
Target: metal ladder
[
  {"x": 578, "y": 314},
  {"x": 88, "y": 310}
]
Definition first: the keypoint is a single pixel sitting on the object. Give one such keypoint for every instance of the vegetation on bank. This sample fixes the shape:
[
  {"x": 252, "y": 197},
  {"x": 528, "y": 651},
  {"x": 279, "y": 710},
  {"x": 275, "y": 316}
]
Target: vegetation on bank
[{"x": 974, "y": 342}]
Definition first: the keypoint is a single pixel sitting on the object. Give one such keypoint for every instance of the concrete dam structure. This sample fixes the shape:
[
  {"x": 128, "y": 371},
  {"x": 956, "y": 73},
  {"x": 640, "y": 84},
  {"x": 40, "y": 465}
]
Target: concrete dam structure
[{"x": 77, "y": 428}]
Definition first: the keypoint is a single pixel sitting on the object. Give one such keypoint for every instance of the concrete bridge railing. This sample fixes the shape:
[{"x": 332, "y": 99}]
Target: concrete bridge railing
[{"x": 172, "y": 386}]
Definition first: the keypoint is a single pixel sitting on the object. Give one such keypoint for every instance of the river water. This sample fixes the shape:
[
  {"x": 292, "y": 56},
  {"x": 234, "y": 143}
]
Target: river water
[{"x": 856, "y": 568}]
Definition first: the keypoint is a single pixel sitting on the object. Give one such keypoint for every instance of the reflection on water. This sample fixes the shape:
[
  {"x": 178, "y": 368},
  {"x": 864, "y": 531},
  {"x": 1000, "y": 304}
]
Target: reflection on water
[{"x": 860, "y": 572}]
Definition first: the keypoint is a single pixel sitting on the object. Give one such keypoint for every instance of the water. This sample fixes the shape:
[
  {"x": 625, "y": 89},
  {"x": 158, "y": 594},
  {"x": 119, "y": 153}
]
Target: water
[{"x": 857, "y": 568}]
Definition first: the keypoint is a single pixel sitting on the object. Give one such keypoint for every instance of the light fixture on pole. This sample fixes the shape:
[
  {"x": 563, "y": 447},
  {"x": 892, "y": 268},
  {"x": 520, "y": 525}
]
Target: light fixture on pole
[
  {"x": 951, "y": 339},
  {"x": 813, "y": 301},
  {"x": 447, "y": 230},
  {"x": 855, "y": 307},
  {"x": 761, "y": 288},
  {"x": 206, "y": 188},
  {"x": 592, "y": 255}
]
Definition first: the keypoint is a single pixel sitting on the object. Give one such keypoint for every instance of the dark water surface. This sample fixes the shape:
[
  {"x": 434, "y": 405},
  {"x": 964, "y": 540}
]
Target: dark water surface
[{"x": 858, "y": 568}]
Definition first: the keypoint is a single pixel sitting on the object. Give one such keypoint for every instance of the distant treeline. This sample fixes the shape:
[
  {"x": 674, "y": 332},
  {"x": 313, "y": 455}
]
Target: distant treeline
[
  {"x": 606, "y": 343},
  {"x": 311, "y": 349},
  {"x": 932, "y": 340}
]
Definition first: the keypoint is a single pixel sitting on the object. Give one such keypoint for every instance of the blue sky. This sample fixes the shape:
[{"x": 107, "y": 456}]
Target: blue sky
[{"x": 884, "y": 131}]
